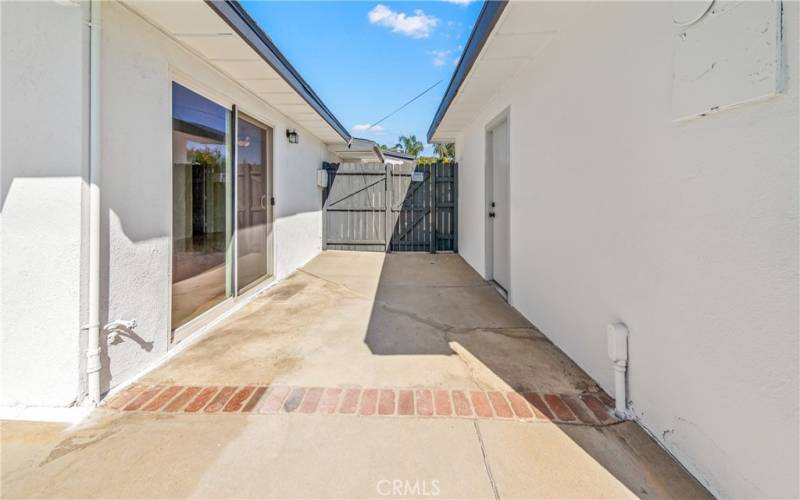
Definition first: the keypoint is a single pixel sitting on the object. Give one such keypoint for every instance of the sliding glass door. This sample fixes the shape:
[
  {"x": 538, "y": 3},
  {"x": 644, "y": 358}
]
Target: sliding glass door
[
  {"x": 253, "y": 202},
  {"x": 221, "y": 212},
  {"x": 201, "y": 213}
]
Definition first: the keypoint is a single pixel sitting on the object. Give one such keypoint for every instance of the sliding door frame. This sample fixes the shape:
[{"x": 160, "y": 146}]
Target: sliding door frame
[
  {"x": 217, "y": 312},
  {"x": 269, "y": 148}
]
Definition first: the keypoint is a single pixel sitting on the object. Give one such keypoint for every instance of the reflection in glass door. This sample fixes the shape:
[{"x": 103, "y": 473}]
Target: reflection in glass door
[
  {"x": 201, "y": 211},
  {"x": 253, "y": 202}
]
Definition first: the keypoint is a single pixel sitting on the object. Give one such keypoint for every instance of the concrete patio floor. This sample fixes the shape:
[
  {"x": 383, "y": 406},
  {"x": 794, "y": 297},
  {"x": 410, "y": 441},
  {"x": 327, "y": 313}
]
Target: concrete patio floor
[{"x": 398, "y": 321}]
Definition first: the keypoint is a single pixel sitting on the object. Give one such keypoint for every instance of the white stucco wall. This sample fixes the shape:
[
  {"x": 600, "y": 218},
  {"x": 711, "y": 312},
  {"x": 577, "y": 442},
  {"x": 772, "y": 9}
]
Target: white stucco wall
[
  {"x": 41, "y": 178},
  {"x": 139, "y": 64},
  {"x": 44, "y": 100},
  {"x": 686, "y": 232}
]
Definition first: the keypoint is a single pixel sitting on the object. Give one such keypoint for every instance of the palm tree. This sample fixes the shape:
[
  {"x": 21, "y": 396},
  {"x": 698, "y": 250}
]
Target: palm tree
[
  {"x": 445, "y": 152},
  {"x": 410, "y": 145}
]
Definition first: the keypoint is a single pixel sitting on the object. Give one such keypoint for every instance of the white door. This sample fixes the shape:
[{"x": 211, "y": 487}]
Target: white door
[{"x": 498, "y": 205}]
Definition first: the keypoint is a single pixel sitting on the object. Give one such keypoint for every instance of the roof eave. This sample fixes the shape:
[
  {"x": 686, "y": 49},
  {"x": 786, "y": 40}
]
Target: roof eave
[
  {"x": 247, "y": 28},
  {"x": 487, "y": 19}
]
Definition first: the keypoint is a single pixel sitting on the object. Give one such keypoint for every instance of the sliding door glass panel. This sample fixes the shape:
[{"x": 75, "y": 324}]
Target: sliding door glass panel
[
  {"x": 253, "y": 202},
  {"x": 201, "y": 218}
]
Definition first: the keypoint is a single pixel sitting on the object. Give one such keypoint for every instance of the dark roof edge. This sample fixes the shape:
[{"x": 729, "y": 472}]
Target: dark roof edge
[
  {"x": 398, "y": 154},
  {"x": 490, "y": 13},
  {"x": 241, "y": 22}
]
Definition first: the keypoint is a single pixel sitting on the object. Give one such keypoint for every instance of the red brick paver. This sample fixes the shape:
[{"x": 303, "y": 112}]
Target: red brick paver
[
  {"x": 539, "y": 407},
  {"x": 481, "y": 404},
  {"x": 579, "y": 409},
  {"x": 386, "y": 402},
  {"x": 237, "y": 401},
  {"x": 203, "y": 397},
  {"x": 350, "y": 401},
  {"x": 572, "y": 409},
  {"x": 293, "y": 401},
  {"x": 162, "y": 399},
  {"x": 273, "y": 401},
  {"x": 369, "y": 401},
  {"x": 424, "y": 402},
  {"x": 461, "y": 404},
  {"x": 311, "y": 401},
  {"x": 126, "y": 396},
  {"x": 182, "y": 399},
  {"x": 560, "y": 408},
  {"x": 405, "y": 402},
  {"x": 145, "y": 396},
  {"x": 441, "y": 399},
  {"x": 329, "y": 401},
  {"x": 597, "y": 408},
  {"x": 253, "y": 402},
  {"x": 500, "y": 405},
  {"x": 220, "y": 399},
  {"x": 519, "y": 405}
]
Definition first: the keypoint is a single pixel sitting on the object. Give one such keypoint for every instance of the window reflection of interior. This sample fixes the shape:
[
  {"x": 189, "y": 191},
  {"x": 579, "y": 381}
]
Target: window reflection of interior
[{"x": 200, "y": 232}]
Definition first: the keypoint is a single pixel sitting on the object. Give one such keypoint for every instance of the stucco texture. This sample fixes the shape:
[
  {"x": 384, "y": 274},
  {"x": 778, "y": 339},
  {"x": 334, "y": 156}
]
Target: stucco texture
[
  {"x": 687, "y": 232},
  {"x": 42, "y": 189},
  {"x": 45, "y": 205}
]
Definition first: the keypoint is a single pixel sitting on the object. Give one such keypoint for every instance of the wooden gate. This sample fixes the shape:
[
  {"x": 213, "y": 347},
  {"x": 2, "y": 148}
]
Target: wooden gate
[{"x": 398, "y": 208}]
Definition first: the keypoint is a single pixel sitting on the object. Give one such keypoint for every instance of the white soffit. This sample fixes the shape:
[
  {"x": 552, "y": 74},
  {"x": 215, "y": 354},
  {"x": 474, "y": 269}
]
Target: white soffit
[
  {"x": 195, "y": 25},
  {"x": 516, "y": 39}
]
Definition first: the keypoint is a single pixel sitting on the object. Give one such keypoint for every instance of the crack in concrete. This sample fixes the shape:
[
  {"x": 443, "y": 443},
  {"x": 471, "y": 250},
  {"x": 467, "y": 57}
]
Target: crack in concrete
[
  {"x": 486, "y": 461},
  {"x": 336, "y": 283},
  {"x": 444, "y": 327},
  {"x": 456, "y": 330}
]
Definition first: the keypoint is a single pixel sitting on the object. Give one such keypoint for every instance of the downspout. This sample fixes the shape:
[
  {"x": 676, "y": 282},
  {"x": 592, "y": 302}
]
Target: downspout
[{"x": 93, "y": 342}]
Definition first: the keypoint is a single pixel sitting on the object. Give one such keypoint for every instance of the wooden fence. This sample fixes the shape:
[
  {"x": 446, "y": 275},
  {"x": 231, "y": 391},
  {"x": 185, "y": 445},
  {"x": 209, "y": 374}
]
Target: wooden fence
[{"x": 397, "y": 208}]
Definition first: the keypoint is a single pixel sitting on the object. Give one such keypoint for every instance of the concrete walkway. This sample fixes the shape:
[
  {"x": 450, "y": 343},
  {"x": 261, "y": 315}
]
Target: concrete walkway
[{"x": 354, "y": 320}]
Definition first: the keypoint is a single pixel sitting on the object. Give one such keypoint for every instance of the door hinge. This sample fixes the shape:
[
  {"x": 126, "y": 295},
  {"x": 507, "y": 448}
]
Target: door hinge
[{"x": 272, "y": 201}]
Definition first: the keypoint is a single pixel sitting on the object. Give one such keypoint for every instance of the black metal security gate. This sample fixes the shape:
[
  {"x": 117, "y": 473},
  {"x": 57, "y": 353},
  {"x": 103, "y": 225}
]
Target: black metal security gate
[{"x": 397, "y": 208}]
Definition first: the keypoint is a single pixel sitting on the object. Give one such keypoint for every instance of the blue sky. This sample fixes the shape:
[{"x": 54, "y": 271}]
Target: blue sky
[{"x": 365, "y": 59}]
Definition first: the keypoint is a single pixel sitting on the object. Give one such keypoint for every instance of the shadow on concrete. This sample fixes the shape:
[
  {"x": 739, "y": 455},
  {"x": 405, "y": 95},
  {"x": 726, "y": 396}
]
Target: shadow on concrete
[{"x": 437, "y": 305}]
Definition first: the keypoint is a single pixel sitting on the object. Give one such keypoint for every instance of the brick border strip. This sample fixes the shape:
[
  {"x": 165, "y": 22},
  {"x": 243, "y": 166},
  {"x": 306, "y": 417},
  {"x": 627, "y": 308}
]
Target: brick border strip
[{"x": 581, "y": 409}]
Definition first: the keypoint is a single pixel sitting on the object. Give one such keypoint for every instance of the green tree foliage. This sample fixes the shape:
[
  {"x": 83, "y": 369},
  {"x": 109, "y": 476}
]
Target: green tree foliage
[
  {"x": 445, "y": 152},
  {"x": 410, "y": 145},
  {"x": 208, "y": 157}
]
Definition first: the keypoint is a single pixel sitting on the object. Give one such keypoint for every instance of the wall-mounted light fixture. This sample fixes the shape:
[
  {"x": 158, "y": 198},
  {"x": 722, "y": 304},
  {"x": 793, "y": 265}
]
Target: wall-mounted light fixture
[{"x": 291, "y": 134}]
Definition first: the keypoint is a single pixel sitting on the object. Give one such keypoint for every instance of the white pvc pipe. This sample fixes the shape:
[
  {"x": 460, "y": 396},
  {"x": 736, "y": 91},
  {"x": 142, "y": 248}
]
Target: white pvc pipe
[
  {"x": 93, "y": 344},
  {"x": 618, "y": 353},
  {"x": 620, "y": 392}
]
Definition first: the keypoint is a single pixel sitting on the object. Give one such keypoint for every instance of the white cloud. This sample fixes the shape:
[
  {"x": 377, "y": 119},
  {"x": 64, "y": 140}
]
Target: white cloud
[
  {"x": 419, "y": 25},
  {"x": 439, "y": 57},
  {"x": 459, "y": 2},
  {"x": 364, "y": 127}
]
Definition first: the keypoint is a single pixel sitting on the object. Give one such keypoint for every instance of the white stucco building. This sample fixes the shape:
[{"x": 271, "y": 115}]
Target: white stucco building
[
  {"x": 637, "y": 162},
  {"x": 632, "y": 162},
  {"x": 159, "y": 105}
]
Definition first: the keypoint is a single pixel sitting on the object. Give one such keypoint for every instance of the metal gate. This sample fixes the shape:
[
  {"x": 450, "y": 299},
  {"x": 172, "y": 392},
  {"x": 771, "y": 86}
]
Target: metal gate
[{"x": 397, "y": 208}]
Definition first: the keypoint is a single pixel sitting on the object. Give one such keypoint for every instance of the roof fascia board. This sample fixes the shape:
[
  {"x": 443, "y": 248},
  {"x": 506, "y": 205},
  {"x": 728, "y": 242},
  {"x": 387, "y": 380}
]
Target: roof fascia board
[
  {"x": 247, "y": 28},
  {"x": 487, "y": 19},
  {"x": 398, "y": 155}
]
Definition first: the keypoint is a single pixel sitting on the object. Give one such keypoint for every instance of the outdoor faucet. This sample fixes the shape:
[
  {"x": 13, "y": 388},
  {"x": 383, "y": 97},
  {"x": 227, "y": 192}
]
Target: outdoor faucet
[{"x": 119, "y": 326}]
